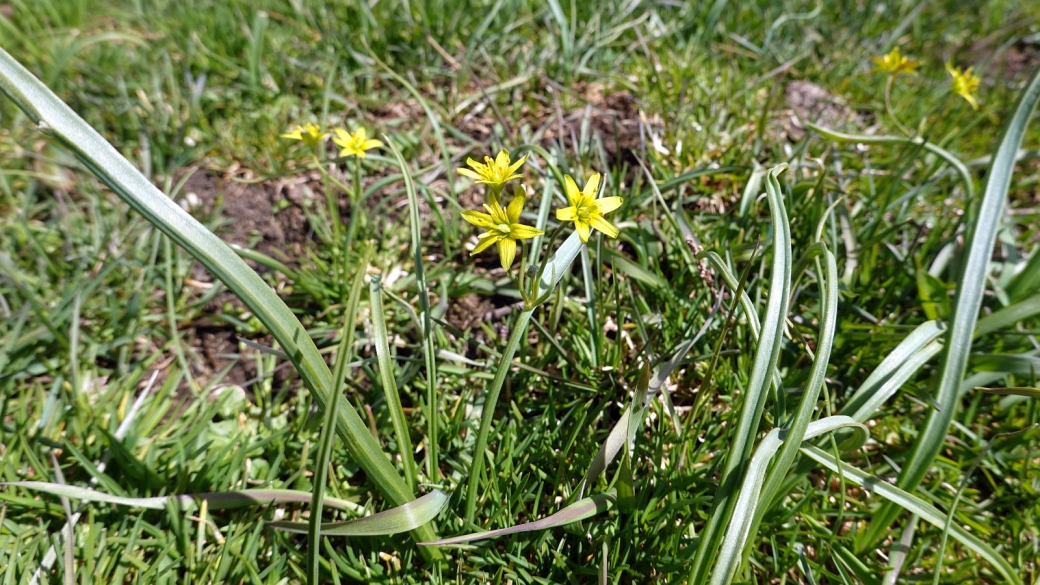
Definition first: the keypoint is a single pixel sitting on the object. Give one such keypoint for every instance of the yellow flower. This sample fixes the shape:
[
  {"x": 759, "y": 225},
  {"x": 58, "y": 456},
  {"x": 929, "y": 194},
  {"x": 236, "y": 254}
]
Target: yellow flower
[
  {"x": 354, "y": 143},
  {"x": 495, "y": 172},
  {"x": 586, "y": 210},
  {"x": 503, "y": 227},
  {"x": 309, "y": 134},
  {"x": 965, "y": 84},
  {"x": 896, "y": 63}
]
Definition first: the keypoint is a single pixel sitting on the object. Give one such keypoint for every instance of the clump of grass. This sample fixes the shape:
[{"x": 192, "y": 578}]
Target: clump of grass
[{"x": 657, "y": 414}]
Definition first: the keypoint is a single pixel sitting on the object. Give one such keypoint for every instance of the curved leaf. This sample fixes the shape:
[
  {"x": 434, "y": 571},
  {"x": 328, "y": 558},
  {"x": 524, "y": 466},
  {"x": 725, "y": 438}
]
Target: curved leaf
[
  {"x": 970, "y": 289},
  {"x": 576, "y": 512},
  {"x": 400, "y": 519}
]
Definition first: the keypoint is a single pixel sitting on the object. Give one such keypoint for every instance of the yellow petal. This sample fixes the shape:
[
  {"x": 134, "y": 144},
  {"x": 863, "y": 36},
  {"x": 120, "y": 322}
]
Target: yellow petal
[
  {"x": 502, "y": 160},
  {"x": 592, "y": 186},
  {"x": 292, "y": 135},
  {"x": 603, "y": 226},
  {"x": 476, "y": 166},
  {"x": 567, "y": 213},
  {"x": 485, "y": 241},
  {"x": 515, "y": 206},
  {"x": 467, "y": 173},
  {"x": 506, "y": 252},
  {"x": 478, "y": 219},
  {"x": 513, "y": 168},
  {"x": 370, "y": 144},
  {"x": 360, "y": 134},
  {"x": 608, "y": 204},
  {"x": 341, "y": 134},
  {"x": 571, "y": 189},
  {"x": 520, "y": 231},
  {"x": 583, "y": 231},
  {"x": 498, "y": 215},
  {"x": 971, "y": 100}
]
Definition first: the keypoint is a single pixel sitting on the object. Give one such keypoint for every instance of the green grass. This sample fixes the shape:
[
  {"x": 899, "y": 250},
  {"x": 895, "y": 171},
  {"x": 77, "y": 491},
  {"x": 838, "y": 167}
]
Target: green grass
[{"x": 94, "y": 299}]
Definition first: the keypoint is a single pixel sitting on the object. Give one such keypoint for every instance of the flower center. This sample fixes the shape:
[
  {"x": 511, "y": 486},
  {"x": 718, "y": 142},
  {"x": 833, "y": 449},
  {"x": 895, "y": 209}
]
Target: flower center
[{"x": 503, "y": 228}]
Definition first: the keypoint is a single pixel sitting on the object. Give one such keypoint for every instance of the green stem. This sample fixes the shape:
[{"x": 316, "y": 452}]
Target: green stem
[
  {"x": 888, "y": 107},
  {"x": 488, "y": 415},
  {"x": 355, "y": 204},
  {"x": 333, "y": 205}
]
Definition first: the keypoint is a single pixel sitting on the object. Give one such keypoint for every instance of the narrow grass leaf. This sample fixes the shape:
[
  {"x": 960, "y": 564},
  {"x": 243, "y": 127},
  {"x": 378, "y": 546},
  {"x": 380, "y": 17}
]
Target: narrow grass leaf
[
  {"x": 1008, "y": 316},
  {"x": 327, "y": 435},
  {"x": 429, "y": 347}
]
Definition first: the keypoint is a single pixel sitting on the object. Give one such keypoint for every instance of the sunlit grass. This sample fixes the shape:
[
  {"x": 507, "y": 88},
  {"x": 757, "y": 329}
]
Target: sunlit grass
[{"x": 94, "y": 299}]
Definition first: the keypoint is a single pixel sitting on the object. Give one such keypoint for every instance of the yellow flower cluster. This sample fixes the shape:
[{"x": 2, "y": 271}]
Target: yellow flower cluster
[
  {"x": 965, "y": 83},
  {"x": 503, "y": 225},
  {"x": 351, "y": 143},
  {"x": 894, "y": 63}
]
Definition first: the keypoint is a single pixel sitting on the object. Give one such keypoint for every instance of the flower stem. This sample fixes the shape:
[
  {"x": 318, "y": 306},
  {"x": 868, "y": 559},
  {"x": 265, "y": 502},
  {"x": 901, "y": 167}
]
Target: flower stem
[
  {"x": 488, "y": 415},
  {"x": 331, "y": 200},
  {"x": 356, "y": 210},
  {"x": 888, "y": 107}
]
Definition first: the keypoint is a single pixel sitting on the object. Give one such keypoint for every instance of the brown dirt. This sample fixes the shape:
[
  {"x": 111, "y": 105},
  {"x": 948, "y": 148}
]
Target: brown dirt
[
  {"x": 1004, "y": 64},
  {"x": 807, "y": 102},
  {"x": 250, "y": 212}
]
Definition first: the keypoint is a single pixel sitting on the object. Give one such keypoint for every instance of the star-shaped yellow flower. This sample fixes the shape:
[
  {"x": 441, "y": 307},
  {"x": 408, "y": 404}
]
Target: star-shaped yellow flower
[
  {"x": 354, "y": 143},
  {"x": 503, "y": 227},
  {"x": 895, "y": 63},
  {"x": 965, "y": 84},
  {"x": 586, "y": 210},
  {"x": 309, "y": 134},
  {"x": 495, "y": 172}
]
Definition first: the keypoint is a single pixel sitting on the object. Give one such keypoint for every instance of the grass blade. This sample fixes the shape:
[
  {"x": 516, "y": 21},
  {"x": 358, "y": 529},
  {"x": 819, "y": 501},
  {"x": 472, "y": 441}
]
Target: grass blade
[
  {"x": 766, "y": 357},
  {"x": 576, "y": 512},
  {"x": 749, "y": 502},
  {"x": 186, "y": 502},
  {"x": 58, "y": 121},
  {"x": 399, "y": 519},
  {"x": 386, "y": 378},
  {"x": 916, "y": 506},
  {"x": 328, "y": 428},
  {"x": 429, "y": 348},
  {"x": 970, "y": 289}
]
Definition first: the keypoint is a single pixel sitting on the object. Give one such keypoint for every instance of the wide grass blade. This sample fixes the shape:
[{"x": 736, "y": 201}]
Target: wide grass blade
[
  {"x": 798, "y": 428},
  {"x": 916, "y": 506},
  {"x": 399, "y": 519},
  {"x": 58, "y": 121},
  {"x": 386, "y": 378},
  {"x": 576, "y": 512},
  {"x": 185, "y": 502},
  {"x": 766, "y": 356},
  {"x": 970, "y": 289},
  {"x": 748, "y": 503},
  {"x": 429, "y": 347}
]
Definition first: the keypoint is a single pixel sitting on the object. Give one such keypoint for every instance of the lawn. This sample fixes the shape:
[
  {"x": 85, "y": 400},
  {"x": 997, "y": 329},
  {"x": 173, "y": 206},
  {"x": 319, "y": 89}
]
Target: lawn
[{"x": 612, "y": 292}]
